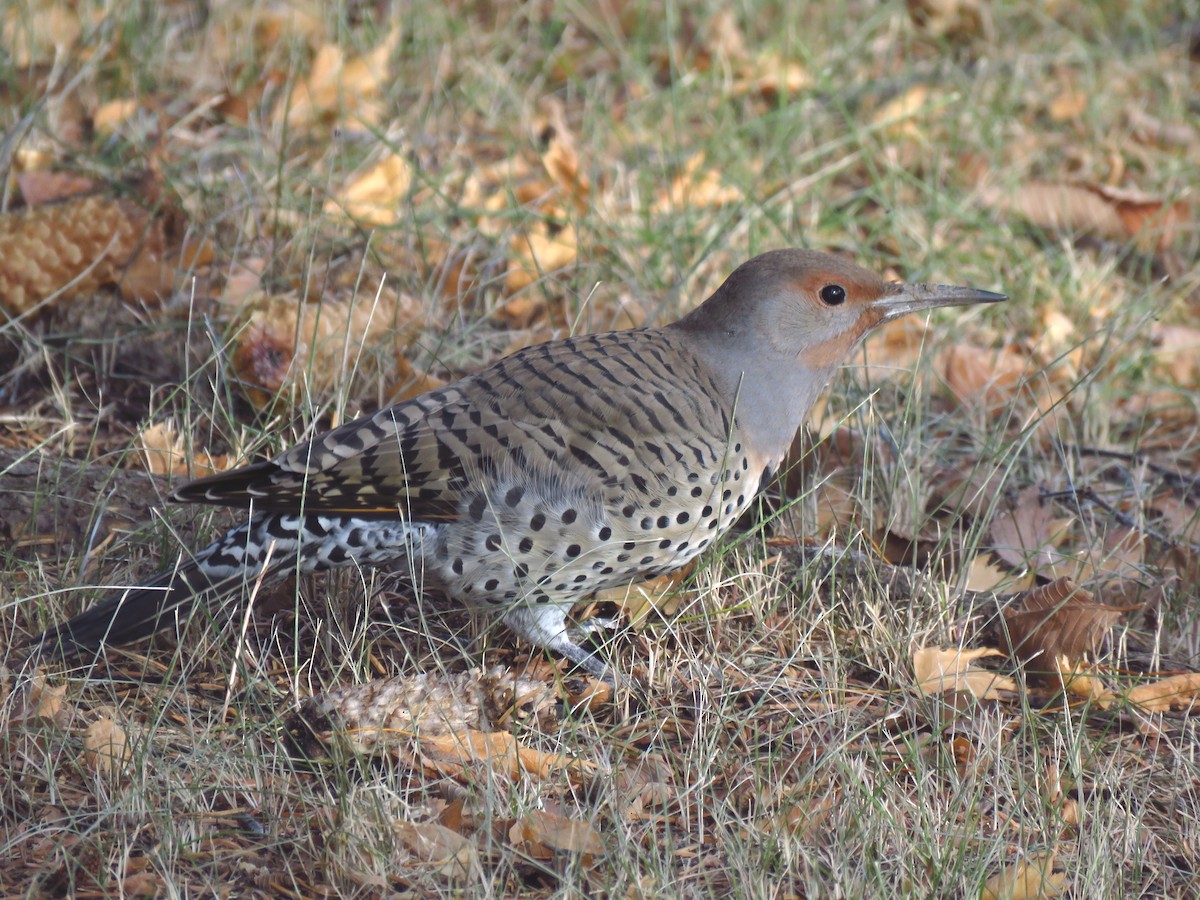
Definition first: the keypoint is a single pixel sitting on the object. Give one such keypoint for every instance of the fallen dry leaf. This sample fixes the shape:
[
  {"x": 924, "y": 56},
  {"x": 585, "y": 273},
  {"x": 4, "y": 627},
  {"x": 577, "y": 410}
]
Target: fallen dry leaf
[
  {"x": 457, "y": 754},
  {"x": 109, "y": 117},
  {"x": 961, "y": 21},
  {"x": 545, "y": 245},
  {"x": 1151, "y": 223},
  {"x": 1056, "y": 620},
  {"x": 340, "y": 89},
  {"x": 1167, "y": 693},
  {"x": 42, "y": 187},
  {"x": 1151, "y": 130},
  {"x": 937, "y": 671},
  {"x": 769, "y": 76},
  {"x": 1030, "y": 879},
  {"x": 374, "y": 195},
  {"x": 1027, "y": 535},
  {"x": 163, "y": 453},
  {"x": 1177, "y": 354},
  {"x": 982, "y": 378},
  {"x": 450, "y": 854},
  {"x": 696, "y": 186},
  {"x": 541, "y": 834},
  {"x": 106, "y": 750}
]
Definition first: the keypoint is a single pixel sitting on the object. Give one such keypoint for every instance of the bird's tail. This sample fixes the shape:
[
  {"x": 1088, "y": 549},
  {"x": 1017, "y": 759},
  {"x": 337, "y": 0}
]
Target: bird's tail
[
  {"x": 263, "y": 547},
  {"x": 267, "y": 546},
  {"x": 133, "y": 613}
]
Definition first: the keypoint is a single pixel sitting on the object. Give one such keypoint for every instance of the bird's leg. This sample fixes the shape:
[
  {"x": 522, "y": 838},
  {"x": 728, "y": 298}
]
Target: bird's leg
[{"x": 545, "y": 625}]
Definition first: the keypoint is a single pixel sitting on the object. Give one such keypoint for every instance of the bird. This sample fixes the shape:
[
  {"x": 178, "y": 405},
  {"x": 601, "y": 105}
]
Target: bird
[{"x": 562, "y": 470}]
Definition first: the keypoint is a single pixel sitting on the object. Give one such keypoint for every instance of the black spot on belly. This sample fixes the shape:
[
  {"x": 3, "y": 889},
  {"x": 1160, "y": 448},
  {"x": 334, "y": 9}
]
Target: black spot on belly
[
  {"x": 664, "y": 521},
  {"x": 537, "y": 522},
  {"x": 573, "y": 551},
  {"x": 492, "y": 542},
  {"x": 477, "y": 508},
  {"x": 457, "y": 566},
  {"x": 646, "y": 560},
  {"x": 605, "y": 533},
  {"x": 491, "y": 584},
  {"x": 526, "y": 545},
  {"x": 569, "y": 516},
  {"x": 514, "y": 495}
]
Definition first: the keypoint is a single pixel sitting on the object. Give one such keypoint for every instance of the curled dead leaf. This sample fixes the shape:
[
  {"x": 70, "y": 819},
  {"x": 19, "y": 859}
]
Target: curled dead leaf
[
  {"x": 452, "y": 855},
  {"x": 1151, "y": 223},
  {"x": 1056, "y": 620},
  {"x": 457, "y": 754},
  {"x": 937, "y": 671},
  {"x": 1176, "y": 691},
  {"x": 1027, "y": 535},
  {"x": 541, "y": 834},
  {"x": 341, "y": 89},
  {"x": 960, "y": 21},
  {"x": 375, "y": 194},
  {"x": 696, "y": 186},
  {"x": 163, "y": 453},
  {"x": 106, "y": 750},
  {"x": 1030, "y": 879},
  {"x": 546, "y": 245}
]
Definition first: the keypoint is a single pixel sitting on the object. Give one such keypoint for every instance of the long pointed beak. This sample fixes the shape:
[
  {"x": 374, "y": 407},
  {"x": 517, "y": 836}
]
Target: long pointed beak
[{"x": 914, "y": 297}]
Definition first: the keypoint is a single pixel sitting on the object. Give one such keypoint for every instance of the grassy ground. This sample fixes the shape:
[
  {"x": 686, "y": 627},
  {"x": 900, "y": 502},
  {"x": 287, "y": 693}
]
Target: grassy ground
[{"x": 781, "y": 747}]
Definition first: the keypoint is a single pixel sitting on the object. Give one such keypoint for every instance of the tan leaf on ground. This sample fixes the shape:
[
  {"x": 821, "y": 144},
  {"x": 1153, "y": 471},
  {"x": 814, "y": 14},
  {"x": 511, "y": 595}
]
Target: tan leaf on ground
[
  {"x": 1070, "y": 104},
  {"x": 981, "y": 377},
  {"x": 458, "y": 753},
  {"x": 937, "y": 671},
  {"x": 1151, "y": 223},
  {"x": 1028, "y": 534},
  {"x": 1083, "y": 680},
  {"x": 339, "y": 89},
  {"x": 41, "y": 187},
  {"x": 35, "y": 33},
  {"x": 1055, "y": 620},
  {"x": 561, "y": 158},
  {"x": 770, "y": 76},
  {"x": 34, "y": 700},
  {"x": 106, "y": 750},
  {"x": 452, "y": 855},
  {"x": 985, "y": 575},
  {"x": 659, "y": 594},
  {"x": 899, "y": 117},
  {"x": 1167, "y": 693},
  {"x": 541, "y": 834},
  {"x": 545, "y": 246},
  {"x": 1177, "y": 354},
  {"x": 374, "y": 195},
  {"x": 1031, "y": 879},
  {"x": 1151, "y": 130},
  {"x": 696, "y": 187},
  {"x": 961, "y": 21},
  {"x": 163, "y": 453},
  {"x": 110, "y": 116}
]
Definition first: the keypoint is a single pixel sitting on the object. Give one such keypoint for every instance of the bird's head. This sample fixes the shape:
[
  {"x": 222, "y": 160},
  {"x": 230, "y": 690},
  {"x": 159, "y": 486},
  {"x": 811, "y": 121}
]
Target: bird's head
[{"x": 812, "y": 306}]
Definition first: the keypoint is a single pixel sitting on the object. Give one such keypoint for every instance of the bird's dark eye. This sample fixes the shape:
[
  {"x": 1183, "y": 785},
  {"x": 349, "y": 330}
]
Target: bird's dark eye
[{"x": 833, "y": 295}]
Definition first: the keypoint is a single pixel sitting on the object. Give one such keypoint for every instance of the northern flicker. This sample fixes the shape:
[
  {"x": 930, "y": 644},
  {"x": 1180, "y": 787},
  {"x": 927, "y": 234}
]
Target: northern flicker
[{"x": 566, "y": 468}]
